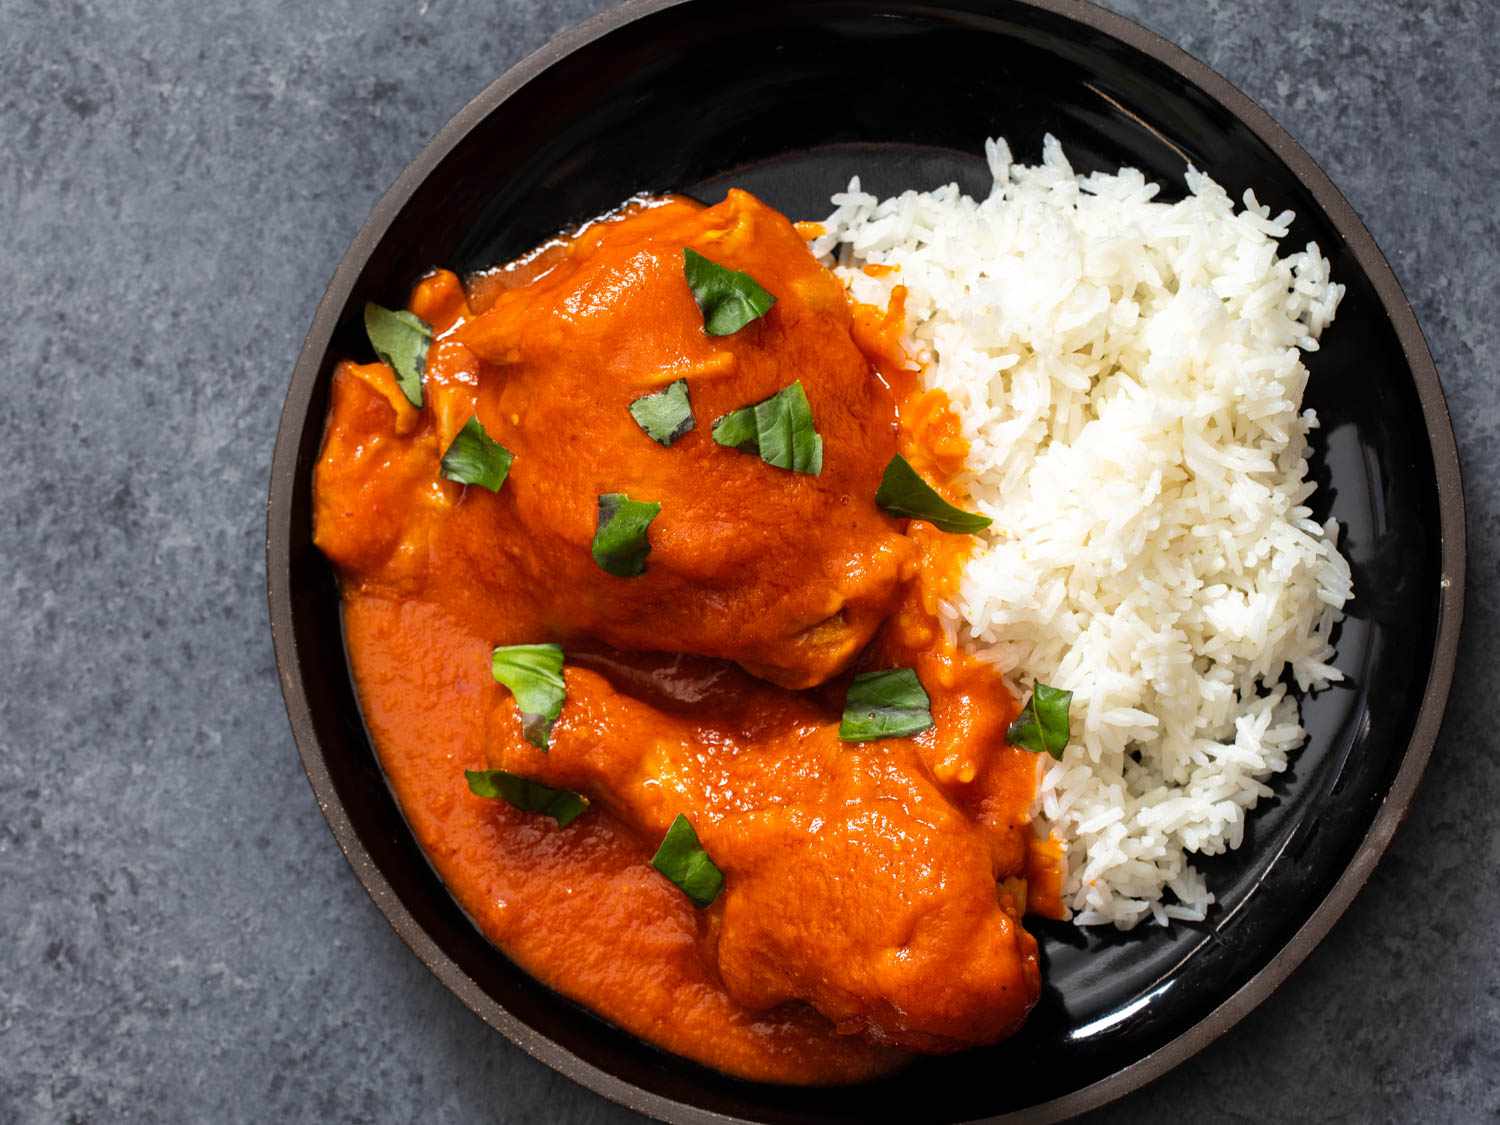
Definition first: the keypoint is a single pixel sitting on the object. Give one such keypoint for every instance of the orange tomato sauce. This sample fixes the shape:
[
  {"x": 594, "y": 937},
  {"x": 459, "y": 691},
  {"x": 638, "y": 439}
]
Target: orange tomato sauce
[{"x": 873, "y": 891}]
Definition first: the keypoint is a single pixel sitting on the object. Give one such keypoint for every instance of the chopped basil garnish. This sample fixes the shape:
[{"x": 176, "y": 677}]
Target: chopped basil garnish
[
  {"x": 779, "y": 428},
  {"x": 728, "y": 299},
  {"x": 620, "y": 543},
  {"x": 1042, "y": 725},
  {"x": 903, "y": 493},
  {"x": 534, "y": 675},
  {"x": 562, "y": 805},
  {"x": 682, "y": 859},
  {"x": 665, "y": 415},
  {"x": 889, "y": 704},
  {"x": 737, "y": 430},
  {"x": 400, "y": 339},
  {"x": 476, "y": 458}
]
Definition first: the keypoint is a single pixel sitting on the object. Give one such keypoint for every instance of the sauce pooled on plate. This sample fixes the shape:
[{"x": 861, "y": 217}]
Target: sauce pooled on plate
[{"x": 715, "y": 579}]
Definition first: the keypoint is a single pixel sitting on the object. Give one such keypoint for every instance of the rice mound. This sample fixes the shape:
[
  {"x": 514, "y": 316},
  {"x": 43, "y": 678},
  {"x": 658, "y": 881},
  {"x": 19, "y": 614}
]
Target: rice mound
[{"x": 1128, "y": 374}]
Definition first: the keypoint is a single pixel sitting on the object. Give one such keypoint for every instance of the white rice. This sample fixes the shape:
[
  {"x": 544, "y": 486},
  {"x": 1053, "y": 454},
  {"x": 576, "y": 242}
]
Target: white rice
[{"x": 1129, "y": 376}]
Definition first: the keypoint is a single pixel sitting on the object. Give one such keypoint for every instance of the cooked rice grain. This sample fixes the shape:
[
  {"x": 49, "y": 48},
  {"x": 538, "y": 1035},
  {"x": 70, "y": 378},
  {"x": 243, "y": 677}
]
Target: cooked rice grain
[{"x": 1129, "y": 376}]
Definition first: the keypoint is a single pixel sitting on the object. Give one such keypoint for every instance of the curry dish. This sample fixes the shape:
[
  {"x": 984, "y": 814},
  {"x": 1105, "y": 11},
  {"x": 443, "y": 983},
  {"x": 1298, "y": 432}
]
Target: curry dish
[{"x": 696, "y": 839}]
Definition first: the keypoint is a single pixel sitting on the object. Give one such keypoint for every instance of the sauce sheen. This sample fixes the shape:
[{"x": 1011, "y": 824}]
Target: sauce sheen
[{"x": 873, "y": 891}]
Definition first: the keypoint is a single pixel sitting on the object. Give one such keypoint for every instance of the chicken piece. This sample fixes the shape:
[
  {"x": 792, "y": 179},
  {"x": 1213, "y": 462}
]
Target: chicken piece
[
  {"x": 851, "y": 881},
  {"x": 787, "y": 573},
  {"x": 375, "y": 458}
]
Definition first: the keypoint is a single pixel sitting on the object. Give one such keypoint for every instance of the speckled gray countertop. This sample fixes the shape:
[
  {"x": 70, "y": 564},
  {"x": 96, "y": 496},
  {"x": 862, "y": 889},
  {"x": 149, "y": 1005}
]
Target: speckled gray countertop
[{"x": 180, "y": 939}]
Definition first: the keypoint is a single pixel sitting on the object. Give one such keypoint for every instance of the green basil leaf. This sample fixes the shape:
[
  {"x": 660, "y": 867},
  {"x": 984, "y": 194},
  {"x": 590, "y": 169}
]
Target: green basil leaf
[
  {"x": 1042, "y": 725},
  {"x": 665, "y": 415},
  {"x": 476, "y": 458},
  {"x": 400, "y": 339},
  {"x": 534, "y": 675},
  {"x": 889, "y": 704},
  {"x": 737, "y": 430},
  {"x": 784, "y": 427},
  {"x": 728, "y": 299},
  {"x": 779, "y": 428},
  {"x": 682, "y": 859},
  {"x": 562, "y": 805},
  {"x": 903, "y": 493},
  {"x": 620, "y": 543}
]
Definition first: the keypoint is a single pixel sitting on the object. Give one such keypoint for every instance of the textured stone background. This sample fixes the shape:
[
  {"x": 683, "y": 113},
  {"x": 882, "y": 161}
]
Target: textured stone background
[{"x": 179, "y": 937}]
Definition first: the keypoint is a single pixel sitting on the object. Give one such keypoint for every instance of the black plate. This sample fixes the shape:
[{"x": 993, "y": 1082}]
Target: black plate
[{"x": 789, "y": 98}]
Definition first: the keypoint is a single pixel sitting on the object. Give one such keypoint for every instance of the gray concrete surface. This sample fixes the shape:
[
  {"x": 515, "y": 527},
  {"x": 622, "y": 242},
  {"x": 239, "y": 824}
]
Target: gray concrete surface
[{"x": 179, "y": 938}]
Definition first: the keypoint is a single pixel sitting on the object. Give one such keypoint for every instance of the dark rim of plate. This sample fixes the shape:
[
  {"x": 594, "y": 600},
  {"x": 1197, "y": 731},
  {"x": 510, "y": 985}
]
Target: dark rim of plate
[{"x": 1390, "y": 814}]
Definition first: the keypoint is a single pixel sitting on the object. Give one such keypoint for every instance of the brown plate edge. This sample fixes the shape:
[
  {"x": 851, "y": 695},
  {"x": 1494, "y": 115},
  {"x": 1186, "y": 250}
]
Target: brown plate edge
[{"x": 1393, "y": 808}]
